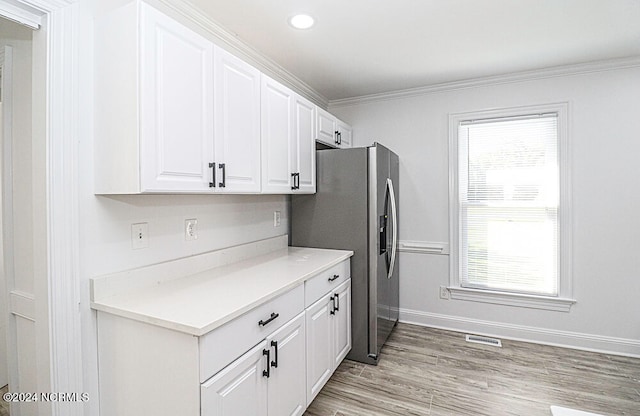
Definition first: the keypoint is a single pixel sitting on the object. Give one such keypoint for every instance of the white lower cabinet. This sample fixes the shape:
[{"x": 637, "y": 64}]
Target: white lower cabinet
[
  {"x": 269, "y": 361},
  {"x": 265, "y": 381},
  {"x": 342, "y": 323},
  {"x": 240, "y": 389},
  {"x": 319, "y": 336},
  {"x": 286, "y": 381},
  {"x": 328, "y": 336}
]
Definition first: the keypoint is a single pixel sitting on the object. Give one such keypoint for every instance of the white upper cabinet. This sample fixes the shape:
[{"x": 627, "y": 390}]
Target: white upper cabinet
[
  {"x": 154, "y": 103},
  {"x": 174, "y": 113},
  {"x": 332, "y": 131},
  {"x": 237, "y": 125},
  {"x": 288, "y": 147},
  {"x": 277, "y": 137},
  {"x": 304, "y": 125},
  {"x": 176, "y": 97},
  {"x": 326, "y": 130},
  {"x": 345, "y": 133}
]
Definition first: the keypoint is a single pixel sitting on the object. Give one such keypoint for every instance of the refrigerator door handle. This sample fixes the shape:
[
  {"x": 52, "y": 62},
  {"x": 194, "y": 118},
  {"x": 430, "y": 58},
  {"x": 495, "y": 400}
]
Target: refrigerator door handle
[{"x": 394, "y": 219}]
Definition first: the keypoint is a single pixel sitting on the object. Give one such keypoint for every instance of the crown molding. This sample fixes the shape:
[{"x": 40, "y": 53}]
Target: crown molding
[
  {"x": 558, "y": 71},
  {"x": 22, "y": 13},
  {"x": 229, "y": 41}
]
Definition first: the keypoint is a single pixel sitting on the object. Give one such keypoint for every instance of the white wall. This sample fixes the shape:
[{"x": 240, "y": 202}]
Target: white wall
[
  {"x": 105, "y": 221},
  {"x": 604, "y": 122}
]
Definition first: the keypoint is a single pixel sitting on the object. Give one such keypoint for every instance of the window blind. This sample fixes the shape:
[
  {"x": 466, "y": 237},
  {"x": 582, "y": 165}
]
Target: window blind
[{"x": 509, "y": 202}]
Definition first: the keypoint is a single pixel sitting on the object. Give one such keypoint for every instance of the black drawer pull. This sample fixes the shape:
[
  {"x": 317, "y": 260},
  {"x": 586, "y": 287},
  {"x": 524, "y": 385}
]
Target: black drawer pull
[
  {"x": 271, "y": 318},
  {"x": 335, "y": 276},
  {"x": 223, "y": 166},
  {"x": 213, "y": 169},
  {"x": 274, "y": 363},
  {"x": 266, "y": 373}
]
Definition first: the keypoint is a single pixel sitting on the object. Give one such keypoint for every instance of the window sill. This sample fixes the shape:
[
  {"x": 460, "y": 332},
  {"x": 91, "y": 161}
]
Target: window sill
[{"x": 549, "y": 303}]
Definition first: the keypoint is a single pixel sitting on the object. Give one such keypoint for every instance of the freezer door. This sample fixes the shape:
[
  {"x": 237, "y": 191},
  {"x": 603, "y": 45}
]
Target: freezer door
[{"x": 394, "y": 276}]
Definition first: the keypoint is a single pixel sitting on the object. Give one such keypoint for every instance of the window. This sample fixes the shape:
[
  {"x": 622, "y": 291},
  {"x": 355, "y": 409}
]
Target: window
[{"x": 509, "y": 202}]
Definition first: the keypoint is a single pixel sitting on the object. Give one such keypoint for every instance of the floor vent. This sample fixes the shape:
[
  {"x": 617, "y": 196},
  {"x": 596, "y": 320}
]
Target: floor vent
[{"x": 494, "y": 342}]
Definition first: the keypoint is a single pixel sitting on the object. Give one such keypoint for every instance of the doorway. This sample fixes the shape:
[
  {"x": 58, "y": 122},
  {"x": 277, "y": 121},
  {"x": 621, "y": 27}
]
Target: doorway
[
  {"x": 17, "y": 281},
  {"x": 42, "y": 269}
]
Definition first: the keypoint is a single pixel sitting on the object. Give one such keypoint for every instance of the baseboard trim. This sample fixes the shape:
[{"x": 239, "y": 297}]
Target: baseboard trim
[{"x": 580, "y": 341}]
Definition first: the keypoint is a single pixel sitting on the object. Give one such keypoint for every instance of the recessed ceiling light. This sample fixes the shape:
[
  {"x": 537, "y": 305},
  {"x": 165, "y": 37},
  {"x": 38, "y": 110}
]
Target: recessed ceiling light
[{"x": 301, "y": 21}]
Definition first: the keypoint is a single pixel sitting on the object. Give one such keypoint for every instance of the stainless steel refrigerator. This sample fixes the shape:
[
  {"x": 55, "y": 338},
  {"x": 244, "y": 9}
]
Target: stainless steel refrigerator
[{"x": 355, "y": 208}]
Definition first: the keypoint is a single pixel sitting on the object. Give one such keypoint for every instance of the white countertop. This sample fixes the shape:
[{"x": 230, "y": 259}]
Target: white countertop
[{"x": 198, "y": 303}]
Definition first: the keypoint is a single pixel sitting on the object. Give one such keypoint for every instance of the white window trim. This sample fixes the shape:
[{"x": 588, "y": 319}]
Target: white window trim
[{"x": 564, "y": 300}]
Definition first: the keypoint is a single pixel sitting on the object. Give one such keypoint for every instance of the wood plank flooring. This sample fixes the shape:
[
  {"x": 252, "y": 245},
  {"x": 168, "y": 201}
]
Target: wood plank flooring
[{"x": 426, "y": 371}]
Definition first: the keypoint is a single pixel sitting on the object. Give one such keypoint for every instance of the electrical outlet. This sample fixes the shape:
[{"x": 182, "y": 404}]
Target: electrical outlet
[
  {"x": 444, "y": 292},
  {"x": 191, "y": 229},
  {"x": 139, "y": 235},
  {"x": 276, "y": 218}
]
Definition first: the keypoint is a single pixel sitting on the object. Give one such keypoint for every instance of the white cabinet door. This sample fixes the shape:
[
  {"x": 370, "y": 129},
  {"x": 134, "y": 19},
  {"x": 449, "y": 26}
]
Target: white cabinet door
[
  {"x": 237, "y": 124},
  {"x": 342, "y": 323},
  {"x": 328, "y": 336},
  {"x": 326, "y": 128},
  {"x": 286, "y": 386},
  {"x": 176, "y": 99},
  {"x": 304, "y": 119},
  {"x": 345, "y": 133},
  {"x": 240, "y": 389},
  {"x": 277, "y": 137},
  {"x": 319, "y": 345}
]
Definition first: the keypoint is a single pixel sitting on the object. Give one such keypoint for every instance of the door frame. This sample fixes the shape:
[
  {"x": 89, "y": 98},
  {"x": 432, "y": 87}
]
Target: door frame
[
  {"x": 6, "y": 66},
  {"x": 57, "y": 313}
]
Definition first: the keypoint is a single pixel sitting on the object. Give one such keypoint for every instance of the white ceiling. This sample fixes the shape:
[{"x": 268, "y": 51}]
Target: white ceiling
[{"x": 362, "y": 47}]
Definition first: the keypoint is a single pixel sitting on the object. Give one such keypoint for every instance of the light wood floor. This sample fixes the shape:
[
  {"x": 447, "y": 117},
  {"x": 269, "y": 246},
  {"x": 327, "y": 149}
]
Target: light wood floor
[{"x": 424, "y": 371}]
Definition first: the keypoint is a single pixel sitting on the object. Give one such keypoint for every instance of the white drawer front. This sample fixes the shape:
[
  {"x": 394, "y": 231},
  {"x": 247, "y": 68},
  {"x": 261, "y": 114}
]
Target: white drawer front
[
  {"x": 223, "y": 345},
  {"x": 326, "y": 281}
]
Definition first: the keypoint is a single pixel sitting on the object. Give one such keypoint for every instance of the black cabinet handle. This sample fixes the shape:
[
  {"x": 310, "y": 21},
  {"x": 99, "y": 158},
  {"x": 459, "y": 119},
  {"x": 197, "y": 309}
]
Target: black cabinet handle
[
  {"x": 271, "y": 318},
  {"x": 335, "y": 276},
  {"x": 337, "y": 298},
  {"x": 296, "y": 180},
  {"x": 213, "y": 169},
  {"x": 336, "y": 134},
  {"x": 223, "y": 166},
  {"x": 339, "y": 137},
  {"x": 266, "y": 373},
  {"x": 274, "y": 363},
  {"x": 333, "y": 306}
]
